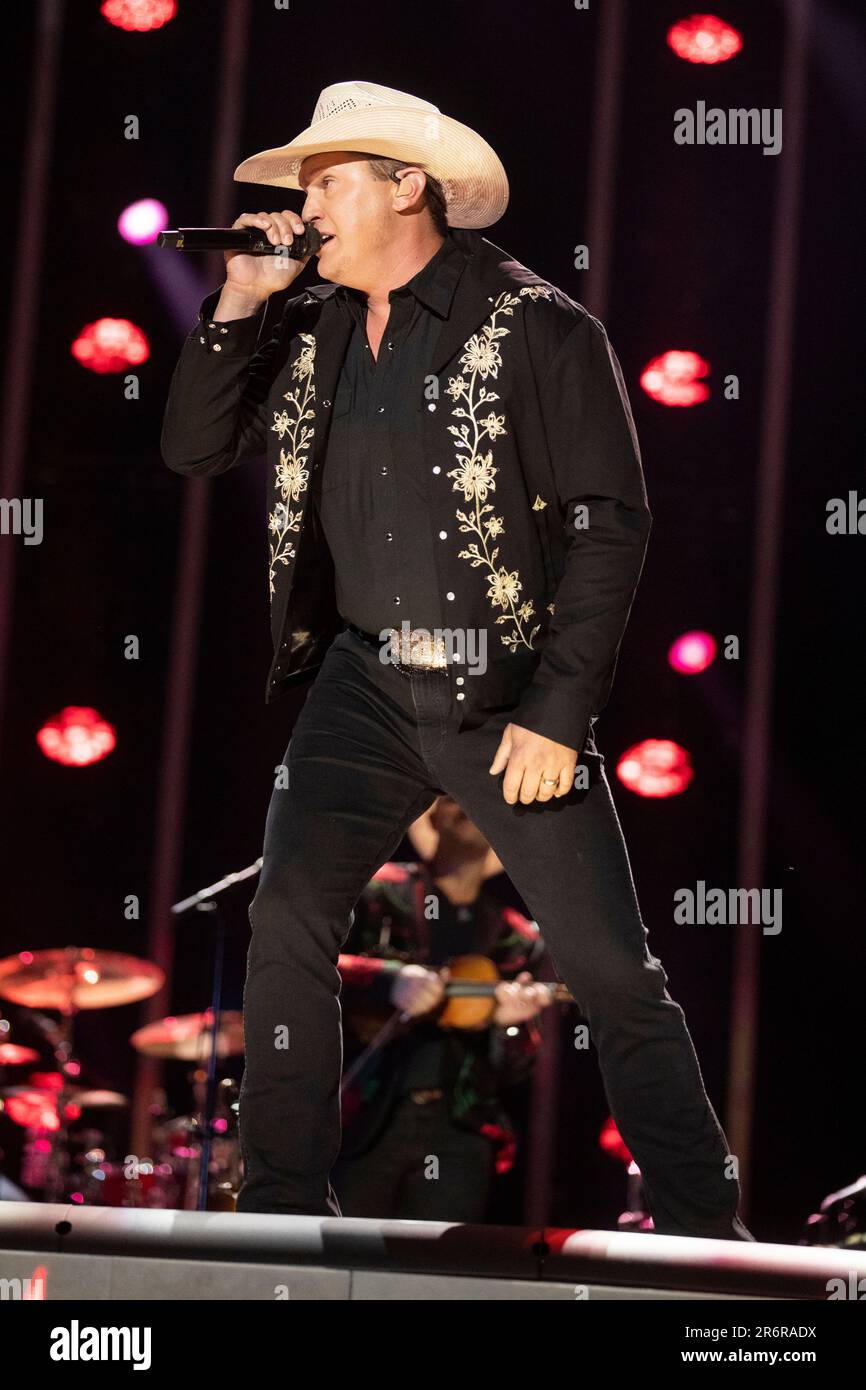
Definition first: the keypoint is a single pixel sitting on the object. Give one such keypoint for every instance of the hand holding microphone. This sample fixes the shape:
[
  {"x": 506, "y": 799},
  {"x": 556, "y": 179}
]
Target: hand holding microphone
[
  {"x": 258, "y": 277},
  {"x": 252, "y": 276}
]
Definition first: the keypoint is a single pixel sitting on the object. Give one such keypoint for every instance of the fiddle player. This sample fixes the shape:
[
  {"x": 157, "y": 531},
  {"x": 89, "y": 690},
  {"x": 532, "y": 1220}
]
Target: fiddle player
[{"x": 424, "y": 1126}]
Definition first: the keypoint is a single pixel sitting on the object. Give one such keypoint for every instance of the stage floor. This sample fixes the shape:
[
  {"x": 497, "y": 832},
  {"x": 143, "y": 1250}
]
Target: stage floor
[{"x": 108, "y": 1254}]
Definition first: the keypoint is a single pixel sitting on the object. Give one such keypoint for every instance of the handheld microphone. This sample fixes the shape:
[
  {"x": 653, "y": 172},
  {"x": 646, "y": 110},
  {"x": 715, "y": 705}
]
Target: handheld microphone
[{"x": 251, "y": 240}]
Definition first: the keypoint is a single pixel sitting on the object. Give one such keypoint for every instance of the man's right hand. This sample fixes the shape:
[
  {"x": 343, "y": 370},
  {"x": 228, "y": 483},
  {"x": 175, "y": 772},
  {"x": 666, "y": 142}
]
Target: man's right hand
[
  {"x": 417, "y": 990},
  {"x": 250, "y": 280}
]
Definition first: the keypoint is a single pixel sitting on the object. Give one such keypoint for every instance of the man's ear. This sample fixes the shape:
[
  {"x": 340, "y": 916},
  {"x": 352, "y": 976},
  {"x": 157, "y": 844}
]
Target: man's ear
[{"x": 418, "y": 180}]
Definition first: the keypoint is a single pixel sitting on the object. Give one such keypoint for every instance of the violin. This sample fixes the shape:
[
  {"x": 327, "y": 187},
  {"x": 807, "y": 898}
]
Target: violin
[
  {"x": 470, "y": 999},
  {"x": 470, "y": 990}
]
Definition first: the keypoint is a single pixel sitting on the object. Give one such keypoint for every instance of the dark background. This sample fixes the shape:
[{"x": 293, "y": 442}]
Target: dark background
[{"x": 690, "y": 266}]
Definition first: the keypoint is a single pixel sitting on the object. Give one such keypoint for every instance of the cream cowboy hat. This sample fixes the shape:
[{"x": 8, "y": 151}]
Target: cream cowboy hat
[{"x": 371, "y": 119}]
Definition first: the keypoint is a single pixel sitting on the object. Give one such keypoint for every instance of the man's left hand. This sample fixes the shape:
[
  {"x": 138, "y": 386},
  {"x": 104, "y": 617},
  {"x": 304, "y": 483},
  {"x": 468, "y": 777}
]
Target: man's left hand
[
  {"x": 535, "y": 767},
  {"x": 519, "y": 1000}
]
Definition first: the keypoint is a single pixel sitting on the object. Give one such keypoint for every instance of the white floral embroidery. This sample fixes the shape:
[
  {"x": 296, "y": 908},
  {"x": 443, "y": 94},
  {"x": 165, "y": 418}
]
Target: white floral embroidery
[
  {"x": 292, "y": 475},
  {"x": 475, "y": 475}
]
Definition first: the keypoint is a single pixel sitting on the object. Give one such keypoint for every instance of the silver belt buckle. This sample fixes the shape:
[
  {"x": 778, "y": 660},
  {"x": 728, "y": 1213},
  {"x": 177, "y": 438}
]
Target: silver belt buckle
[{"x": 423, "y": 650}]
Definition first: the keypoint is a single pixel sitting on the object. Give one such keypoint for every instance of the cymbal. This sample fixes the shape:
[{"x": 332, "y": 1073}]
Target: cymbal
[
  {"x": 99, "y": 1100},
  {"x": 78, "y": 977},
  {"x": 186, "y": 1037},
  {"x": 14, "y": 1055}
]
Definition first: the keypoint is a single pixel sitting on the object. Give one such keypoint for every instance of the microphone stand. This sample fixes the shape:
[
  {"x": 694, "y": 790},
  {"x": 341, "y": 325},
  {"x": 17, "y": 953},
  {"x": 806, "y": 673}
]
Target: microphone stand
[{"x": 206, "y": 900}]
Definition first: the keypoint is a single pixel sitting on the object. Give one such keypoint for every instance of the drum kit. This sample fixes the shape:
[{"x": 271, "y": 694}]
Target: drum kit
[
  {"x": 195, "y": 1159},
  {"x": 66, "y": 1155}
]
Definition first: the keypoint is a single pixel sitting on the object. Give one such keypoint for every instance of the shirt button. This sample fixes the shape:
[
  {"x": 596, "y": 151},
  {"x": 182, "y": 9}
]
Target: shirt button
[
  {"x": 443, "y": 535},
  {"x": 437, "y": 469},
  {"x": 389, "y": 535},
  {"x": 384, "y": 470},
  {"x": 461, "y": 696},
  {"x": 217, "y": 347},
  {"x": 431, "y": 405},
  {"x": 381, "y": 410},
  {"x": 450, "y": 597},
  {"x": 397, "y": 599},
  {"x": 460, "y": 680},
  {"x": 391, "y": 346}
]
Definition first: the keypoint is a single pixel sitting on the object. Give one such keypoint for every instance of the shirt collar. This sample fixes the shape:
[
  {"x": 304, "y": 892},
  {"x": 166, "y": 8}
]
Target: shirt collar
[{"x": 434, "y": 284}]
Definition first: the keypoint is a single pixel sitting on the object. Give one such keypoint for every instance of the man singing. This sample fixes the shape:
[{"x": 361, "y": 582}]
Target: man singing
[{"x": 457, "y": 526}]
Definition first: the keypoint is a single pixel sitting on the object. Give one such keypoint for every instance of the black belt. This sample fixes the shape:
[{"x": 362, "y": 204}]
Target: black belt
[{"x": 364, "y": 636}]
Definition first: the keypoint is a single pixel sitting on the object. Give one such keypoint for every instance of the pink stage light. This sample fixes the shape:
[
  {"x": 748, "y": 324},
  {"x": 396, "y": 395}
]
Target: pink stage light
[
  {"x": 110, "y": 345},
  {"x": 142, "y": 222},
  {"x": 655, "y": 767},
  {"x": 692, "y": 653},
  {"x": 76, "y": 737},
  {"x": 703, "y": 38},
  {"x": 672, "y": 378},
  {"x": 138, "y": 16}
]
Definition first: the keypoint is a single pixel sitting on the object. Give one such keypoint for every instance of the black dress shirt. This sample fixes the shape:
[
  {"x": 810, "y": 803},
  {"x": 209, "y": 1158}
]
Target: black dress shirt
[
  {"x": 455, "y": 933},
  {"x": 372, "y": 491},
  {"x": 532, "y": 469}
]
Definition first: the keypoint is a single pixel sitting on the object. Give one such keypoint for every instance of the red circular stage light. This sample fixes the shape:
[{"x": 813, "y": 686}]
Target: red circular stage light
[
  {"x": 692, "y": 653},
  {"x": 138, "y": 16},
  {"x": 655, "y": 767},
  {"x": 110, "y": 345},
  {"x": 672, "y": 378},
  {"x": 76, "y": 737},
  {"x": 704, "y": 38}
]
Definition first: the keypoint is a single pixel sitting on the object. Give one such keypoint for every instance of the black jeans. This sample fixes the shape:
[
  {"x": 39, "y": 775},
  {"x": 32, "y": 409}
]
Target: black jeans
[
  {"x": 370, "y": 751},
  {"x": 422, "y": 1167}
]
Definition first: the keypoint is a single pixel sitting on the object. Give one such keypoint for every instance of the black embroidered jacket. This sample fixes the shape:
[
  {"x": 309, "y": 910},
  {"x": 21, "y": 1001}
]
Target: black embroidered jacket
[{"x": 532, "y": 466}]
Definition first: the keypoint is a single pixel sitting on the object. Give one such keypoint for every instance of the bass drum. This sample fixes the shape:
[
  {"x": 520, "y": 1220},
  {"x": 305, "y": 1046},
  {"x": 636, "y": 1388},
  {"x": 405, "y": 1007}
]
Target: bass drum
[{"x": 132, "y": 1183}]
